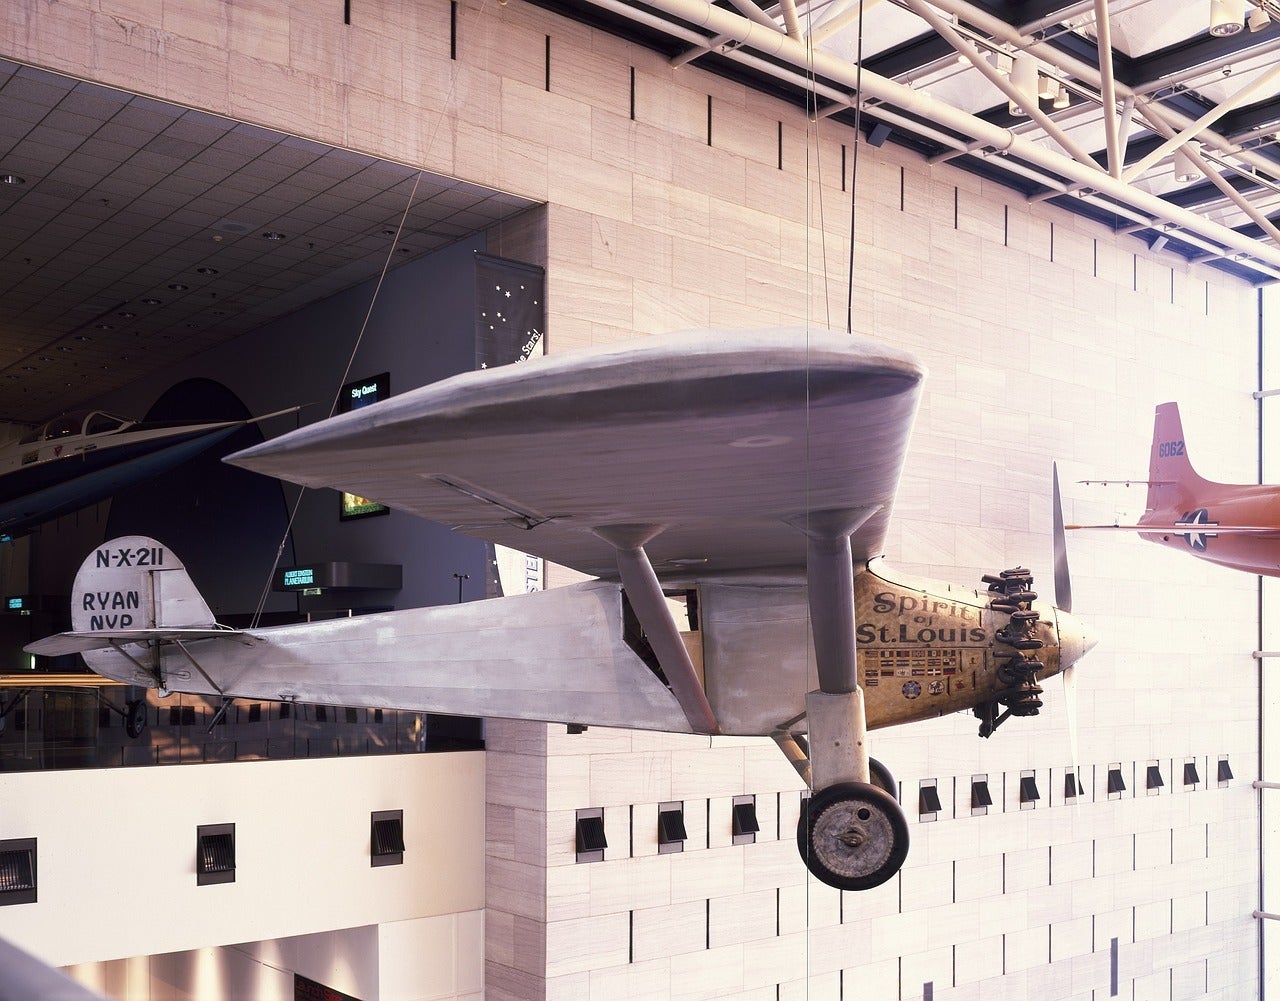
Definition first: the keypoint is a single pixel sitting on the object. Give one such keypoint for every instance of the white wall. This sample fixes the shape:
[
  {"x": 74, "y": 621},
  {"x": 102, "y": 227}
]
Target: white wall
[
  {"x": 117, "y": 851},
  {"x": 1046, "y": 337}
]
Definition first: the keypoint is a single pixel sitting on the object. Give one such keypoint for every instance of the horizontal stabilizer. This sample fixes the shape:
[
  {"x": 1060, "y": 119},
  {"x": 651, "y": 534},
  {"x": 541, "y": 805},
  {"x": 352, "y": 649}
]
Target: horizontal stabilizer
[
  {"x": 1116, "y": 482},
  {"x": 79, "y": 642}
]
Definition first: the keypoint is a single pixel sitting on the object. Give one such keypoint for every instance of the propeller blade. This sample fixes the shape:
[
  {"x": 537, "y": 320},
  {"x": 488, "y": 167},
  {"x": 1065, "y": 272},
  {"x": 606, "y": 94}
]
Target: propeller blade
[
  {"x": 1062, "y": 595},
  {"x": 1061, "y": 572}
]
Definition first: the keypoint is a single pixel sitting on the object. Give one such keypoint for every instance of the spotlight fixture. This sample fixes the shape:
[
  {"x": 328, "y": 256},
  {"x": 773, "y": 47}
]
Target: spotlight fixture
[
  {"x": 1002, "y": 62},
  {"x": 1025, "y": 80},
  {"x": 1062, "y": 99},
  {"x": 1226, "y": 17},
  {"x": 12, "y": 179},
  {"x": 1159, "y": 243},
  {"x": 1185, "y": 169},
  {"x": 1048, "y": 89},
  {"x": 1259, "y": 19}
]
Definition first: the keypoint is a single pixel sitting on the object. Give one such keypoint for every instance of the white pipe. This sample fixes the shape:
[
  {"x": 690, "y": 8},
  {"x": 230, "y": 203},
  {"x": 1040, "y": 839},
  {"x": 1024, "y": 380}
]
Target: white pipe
[
  {"x": 791, "y": 19},
  {"x": 1030, "y": 103},
  {"x": 1003, "y": 32},
  {"x": 1216, "y": 178},
  {"x": 718, "y": 21},
  {"x": 1202, "y": 123},
  {"x": 846, "y": 17},
  {"x": 1103, "y": 18}
]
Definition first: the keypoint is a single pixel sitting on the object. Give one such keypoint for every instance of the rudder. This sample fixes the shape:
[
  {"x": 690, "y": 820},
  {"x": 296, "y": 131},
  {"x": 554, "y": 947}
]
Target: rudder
[
  {"x": 1171, "y": 472},
  {"x": 135, "y": 582}
]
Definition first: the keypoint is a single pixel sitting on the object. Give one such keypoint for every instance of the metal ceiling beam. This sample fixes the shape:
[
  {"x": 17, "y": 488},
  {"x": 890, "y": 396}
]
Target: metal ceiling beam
[{"x": 774, "y": 43}]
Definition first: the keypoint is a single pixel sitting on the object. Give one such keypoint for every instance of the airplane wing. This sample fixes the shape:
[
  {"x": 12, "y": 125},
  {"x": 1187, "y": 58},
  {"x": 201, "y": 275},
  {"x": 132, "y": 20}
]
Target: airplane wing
[{"x": 725, "y": 439}]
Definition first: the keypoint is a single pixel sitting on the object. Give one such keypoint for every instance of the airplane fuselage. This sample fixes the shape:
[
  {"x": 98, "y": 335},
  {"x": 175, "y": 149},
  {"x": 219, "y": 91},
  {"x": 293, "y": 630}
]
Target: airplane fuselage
[
  {"x": 1194, "y": 526},
  {"x": 925, "y": 649}
]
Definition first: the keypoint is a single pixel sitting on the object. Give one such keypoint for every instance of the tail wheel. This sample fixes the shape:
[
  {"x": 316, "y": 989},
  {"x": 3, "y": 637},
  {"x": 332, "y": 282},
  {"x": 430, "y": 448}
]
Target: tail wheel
[
  {"x": 135, "y": 720},
  {"x": 852, "y": 836}
]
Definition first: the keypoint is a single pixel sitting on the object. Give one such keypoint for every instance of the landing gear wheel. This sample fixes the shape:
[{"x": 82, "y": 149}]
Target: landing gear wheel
[
  {"x": 852, "y": 836},
  {"x": 882, "y": 778},
  {"x": 135, "y": 718}
]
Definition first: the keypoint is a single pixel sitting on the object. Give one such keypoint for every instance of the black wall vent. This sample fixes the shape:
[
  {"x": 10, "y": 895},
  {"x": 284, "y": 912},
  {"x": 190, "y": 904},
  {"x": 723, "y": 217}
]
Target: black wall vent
[
  {"x": 1190, "y": 774},
  {"x": 1115, "y": 781},
  {"x": 1224, "y": 771},
  {"x": 386, "y": 837},
  {"x": 215, "y": 854},
  {"x": 671, "y": 830},
  {"x": 980, "y": 795},
  {"x": 589, "y": 837},
  {"x": 1071, "y": 788},
  {"x": 18, "y": 871},
  {"x": 930, "y": 804},
  {"x": 1154, "y": 779},
  {"x": 745, "y": 824},
  {"x": 1028, "y": 792}
]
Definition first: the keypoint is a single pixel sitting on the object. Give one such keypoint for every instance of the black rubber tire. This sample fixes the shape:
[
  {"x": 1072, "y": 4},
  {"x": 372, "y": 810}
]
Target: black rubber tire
[
  {"x": 852, "y": 836},
  {"x": 882, "y": 778},
  {"x": 135, "y": 718}
]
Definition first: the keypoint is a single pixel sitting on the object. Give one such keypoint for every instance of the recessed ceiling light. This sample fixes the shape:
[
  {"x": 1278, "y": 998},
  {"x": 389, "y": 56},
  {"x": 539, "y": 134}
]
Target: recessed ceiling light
[
  {"x": 12, "y": 179},
  {"x": 151, "y": 302},
  {"x": 44, "y": 358},
  {"x": 28, "y": 368},
  {"x": 206, "y": 271},
  {"x": 104, "y": 326},
  {"x": 271, "y": 234},
  {"x": 83, "y": 337},
  {"x": 126, "y": 315},
  {"x": 178, "y": 287},
  {"x": 64, "y": 347}
]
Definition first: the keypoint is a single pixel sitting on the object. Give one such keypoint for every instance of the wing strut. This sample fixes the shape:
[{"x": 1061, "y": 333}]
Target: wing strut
[{"x": 645, "y": 595}]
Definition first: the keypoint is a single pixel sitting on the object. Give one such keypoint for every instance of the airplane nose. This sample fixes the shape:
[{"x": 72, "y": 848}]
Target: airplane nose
[{"x": 1075, "y": 639}]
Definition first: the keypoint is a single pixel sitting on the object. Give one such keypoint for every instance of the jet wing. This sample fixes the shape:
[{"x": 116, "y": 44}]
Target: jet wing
[{"x": 725, "y": 439}]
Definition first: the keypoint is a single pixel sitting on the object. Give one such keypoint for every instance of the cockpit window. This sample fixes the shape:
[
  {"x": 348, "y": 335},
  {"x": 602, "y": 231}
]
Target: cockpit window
[
  {"x": 60, "y": 427},
  {"x": 100, "y": 423}
]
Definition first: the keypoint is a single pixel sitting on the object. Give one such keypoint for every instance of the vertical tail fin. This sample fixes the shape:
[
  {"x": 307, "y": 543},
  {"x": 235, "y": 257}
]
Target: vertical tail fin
[
  {"x": 1172, "y": 474},
  {"x": 135, "y": 583}
]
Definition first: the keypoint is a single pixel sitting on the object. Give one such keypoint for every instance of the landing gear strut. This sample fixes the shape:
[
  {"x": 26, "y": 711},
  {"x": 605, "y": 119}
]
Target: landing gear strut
[{"x": 852, "y": 835}]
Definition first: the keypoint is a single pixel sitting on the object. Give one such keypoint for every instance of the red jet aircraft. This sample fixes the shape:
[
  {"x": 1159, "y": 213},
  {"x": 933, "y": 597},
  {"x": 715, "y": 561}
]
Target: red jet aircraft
[{"x": 1236, "y": 525}]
